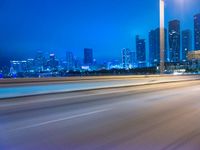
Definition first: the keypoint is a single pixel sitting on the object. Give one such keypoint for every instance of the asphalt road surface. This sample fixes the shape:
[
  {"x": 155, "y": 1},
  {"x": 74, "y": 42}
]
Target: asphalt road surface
[
  {"x": 23, "y": 87},
  {"x": 153, "y": 117}
]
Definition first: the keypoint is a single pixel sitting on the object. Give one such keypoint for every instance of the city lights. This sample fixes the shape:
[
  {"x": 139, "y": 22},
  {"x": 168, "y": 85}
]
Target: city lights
[{"x": 99, "y": 74}]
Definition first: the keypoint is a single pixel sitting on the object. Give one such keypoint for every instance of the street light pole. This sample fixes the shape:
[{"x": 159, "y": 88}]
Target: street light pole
[{"x": 162, "y": 36}]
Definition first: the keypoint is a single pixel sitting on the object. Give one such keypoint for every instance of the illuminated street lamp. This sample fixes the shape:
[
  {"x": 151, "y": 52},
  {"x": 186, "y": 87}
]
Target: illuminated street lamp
[{"x": 162, "y": 36}]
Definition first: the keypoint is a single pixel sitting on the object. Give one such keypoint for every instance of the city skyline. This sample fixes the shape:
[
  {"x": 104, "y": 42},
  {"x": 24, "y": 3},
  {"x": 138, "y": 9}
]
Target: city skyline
[
  {"x": 179, "y": 42},
  {"x": 99, "y": 74},
  {"x": 177, "y": 46},
  {"x": 125, "y": 21}
]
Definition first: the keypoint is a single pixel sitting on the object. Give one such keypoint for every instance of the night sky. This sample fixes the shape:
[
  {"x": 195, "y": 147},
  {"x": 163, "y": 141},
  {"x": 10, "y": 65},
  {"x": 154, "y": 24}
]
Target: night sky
[{"x": 107, "y": 26}]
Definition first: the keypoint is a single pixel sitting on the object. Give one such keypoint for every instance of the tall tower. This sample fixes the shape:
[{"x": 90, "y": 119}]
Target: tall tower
[
  {"x": 155, "y": 46},
  {"x": 186, "y": 43},
  {"x": 126, "y": 61},
  {"x": 152, "y": 47},
  {"x": 197, "y": 32},
  {"x": 88, "y": 56},
  {"x": 39, "y": 61},
  {"x": 70, "y": 60},
  {"x": 53, "y": 62},
  {"x": 174, "y": 41},
  {"x": 141, "y": 51}
]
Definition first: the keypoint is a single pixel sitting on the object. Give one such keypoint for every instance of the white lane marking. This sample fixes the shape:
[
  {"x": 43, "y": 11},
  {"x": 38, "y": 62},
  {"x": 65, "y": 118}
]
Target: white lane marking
[{"x": 62, "y": 119}]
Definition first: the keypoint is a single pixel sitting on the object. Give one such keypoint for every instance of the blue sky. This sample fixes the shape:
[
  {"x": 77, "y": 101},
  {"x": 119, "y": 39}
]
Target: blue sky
[{"x": 58, "y": 26}]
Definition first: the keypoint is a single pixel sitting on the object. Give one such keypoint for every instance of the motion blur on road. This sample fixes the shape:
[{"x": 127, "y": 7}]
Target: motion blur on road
[{"x": 161, "y": 116}]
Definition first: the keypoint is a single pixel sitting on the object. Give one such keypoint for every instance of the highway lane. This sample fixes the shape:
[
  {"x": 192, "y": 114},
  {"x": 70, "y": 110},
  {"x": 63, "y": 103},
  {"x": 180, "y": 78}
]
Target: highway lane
[
  {"x": 154, "y": 117},
  {"x": 24, "y": 89},
  {"x": 61, "y": 80}
]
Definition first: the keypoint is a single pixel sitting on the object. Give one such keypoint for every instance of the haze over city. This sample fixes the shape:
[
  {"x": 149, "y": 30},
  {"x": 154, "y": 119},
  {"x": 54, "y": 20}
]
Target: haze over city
[{"x": 58, "y": 26}]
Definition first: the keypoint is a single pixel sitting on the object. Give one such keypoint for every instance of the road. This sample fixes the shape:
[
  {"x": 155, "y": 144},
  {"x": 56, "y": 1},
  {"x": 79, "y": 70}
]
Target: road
[
  {"x": 154, "y": 117},
  {"x": 24, "y": 87}
]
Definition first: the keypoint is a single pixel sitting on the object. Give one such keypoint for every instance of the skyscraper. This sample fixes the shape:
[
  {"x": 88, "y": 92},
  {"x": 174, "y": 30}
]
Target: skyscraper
[
  {"x": 39, "y": 61},
  {"x": 141, "y": 51},
  {"x": 52, "y": 63},
  {"x": 154, "y": 46},
  {"x": 197, "y": 32},
  {"x": 186, "y": 43},
  {"x": 133, "y": 59},
  {"x": 18, "y": 66},
  {"x": 77, "y": 64},
  {"x": 174, "y": 41},
  {"x": 88, "y": 56},
  {"x": 70, "y": 63},
  {"x": 30, "y": 65},
  {"x": 126, "y": 58}
]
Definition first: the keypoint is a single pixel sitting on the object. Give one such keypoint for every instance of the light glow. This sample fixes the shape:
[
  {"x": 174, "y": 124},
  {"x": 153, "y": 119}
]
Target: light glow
[{"x": 162, "y": 35}]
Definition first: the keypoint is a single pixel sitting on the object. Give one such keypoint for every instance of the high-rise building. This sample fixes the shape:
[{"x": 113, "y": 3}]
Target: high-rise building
[
  {"x": 30, "y": 65},
  {"x": 39, "y": 61},
  {"x": 69, "y": 61},
  {"x": 141, "y": 51},
  {"x": 18, "y": 66},
  {"x": 154, "y": 46},
  {"x": 52, "y": 62},
  {"x": 126, "y": 58},
  {"x": 133, "y": 59},
  {"x": 77, "y": 64},
  {"x": 88, "y": 56},
  {"x": 197, "y": 32},
  {"x": 186, "y": 43},
  {"x": 174, "y": 41}
]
